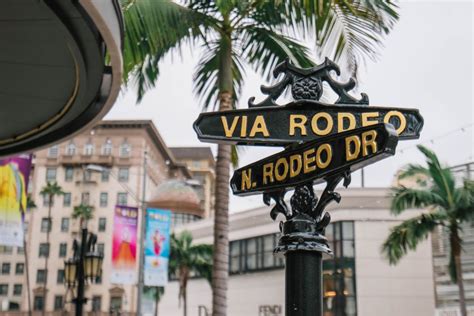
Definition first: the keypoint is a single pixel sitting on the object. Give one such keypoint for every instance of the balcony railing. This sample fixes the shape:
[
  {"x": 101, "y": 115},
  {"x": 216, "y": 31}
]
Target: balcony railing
[{"x": 105, "y": 160}]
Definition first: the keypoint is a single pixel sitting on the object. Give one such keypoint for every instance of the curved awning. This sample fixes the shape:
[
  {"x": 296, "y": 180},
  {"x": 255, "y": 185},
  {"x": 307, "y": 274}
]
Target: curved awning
[{"x": 61, "y": 67}]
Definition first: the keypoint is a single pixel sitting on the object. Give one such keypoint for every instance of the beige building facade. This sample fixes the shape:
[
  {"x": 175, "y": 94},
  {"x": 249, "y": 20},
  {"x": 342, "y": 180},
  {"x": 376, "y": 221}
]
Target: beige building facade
[
  {"x": 101, "y": 168},
  {"x": 357, "y": 281}
]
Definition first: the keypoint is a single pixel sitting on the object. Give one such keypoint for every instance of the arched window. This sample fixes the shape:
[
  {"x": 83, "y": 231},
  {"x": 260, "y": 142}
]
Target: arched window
[
  {"x": 53, "y": 151},
  {"x": 125, "y": 149},
  {"x": 89, "y": 149},
  {"x": 70, "y": 149},
  {"x": 107, "y": 148}
]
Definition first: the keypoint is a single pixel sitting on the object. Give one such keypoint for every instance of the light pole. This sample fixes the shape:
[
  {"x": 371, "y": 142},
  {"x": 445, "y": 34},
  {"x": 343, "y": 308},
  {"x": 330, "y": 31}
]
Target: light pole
[{"x": 86, "y": 264}]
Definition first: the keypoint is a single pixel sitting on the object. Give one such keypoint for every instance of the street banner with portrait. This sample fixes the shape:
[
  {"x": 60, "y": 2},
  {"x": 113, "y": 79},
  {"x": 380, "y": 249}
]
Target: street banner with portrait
[
  {"x": 124, "y": 245},
  {"x": 14, "y": 174},
  {"x": 157, "y": 247}
]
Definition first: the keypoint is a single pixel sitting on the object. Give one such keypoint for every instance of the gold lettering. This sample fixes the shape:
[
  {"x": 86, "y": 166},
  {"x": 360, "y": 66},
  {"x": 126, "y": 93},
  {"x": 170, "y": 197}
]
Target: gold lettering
[
  {"x": 268, "y": 173},
  {"x": 351, "y": 155},
  {"x": 259, "y": 126},
  {"x": 367, "y": 116},
  {"x": 294, "y": 171},
  {"x": 401, "y": 119},
  {"x": 246, "y": 179},
  {"x": 229, "y": 131},
  {"x": 300, "y": 124},
  {"x": 329, "y": 123},
  {"x": 328, "y": 149},
  {"x": 340, "y": 121},
  {"x": 281, "y": 162},
  {"x": 308, "y": 160},
  {"x": 243, "y": 126},
  {"x": 368, "y": 139}
]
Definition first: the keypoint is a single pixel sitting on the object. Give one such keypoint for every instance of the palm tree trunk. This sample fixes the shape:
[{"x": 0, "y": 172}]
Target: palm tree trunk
[
  {"x": 456, "y": 248},
  {"x": 220, "y": 272},
  {"x": 50, "y": 202},
  {"x": 185, "y": 300},
  {"x": 25, "y": 253}
]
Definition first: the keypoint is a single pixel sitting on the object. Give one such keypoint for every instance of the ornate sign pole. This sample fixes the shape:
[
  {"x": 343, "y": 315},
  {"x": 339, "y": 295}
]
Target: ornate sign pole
[{"x": 323, "y": 143}]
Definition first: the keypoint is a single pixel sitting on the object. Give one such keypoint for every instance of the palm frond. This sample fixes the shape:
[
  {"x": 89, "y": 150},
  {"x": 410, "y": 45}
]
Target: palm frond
[
  {"x": 153, "y": 28},
  {"x": 206, "y": 79},
  {"x": 464, "y": 202},
  {"x": 354, "y": 29},
  {"x": 409, "y": 234},
  {"x": 264, "y": 48},
  {"x": 405, "y": 198},
  {"x": 82, "y": 211}
]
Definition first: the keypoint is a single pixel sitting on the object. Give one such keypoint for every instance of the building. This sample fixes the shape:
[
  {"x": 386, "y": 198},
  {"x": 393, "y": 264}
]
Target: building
[
  {"x": 357, "y": 280},
  {"x": 201, "y": 164},
  {"x": 118, "y": 148}
]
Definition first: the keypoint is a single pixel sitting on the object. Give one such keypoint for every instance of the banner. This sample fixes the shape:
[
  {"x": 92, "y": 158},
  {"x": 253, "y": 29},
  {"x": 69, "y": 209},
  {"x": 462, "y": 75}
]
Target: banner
[
  {"x": 124, "y": 245},
  {"x": 14, "y": 174},
  {"x": 157, "y": 247}
]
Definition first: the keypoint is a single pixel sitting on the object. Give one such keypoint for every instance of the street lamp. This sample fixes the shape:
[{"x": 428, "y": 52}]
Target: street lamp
[{"x": 86, "y": 264}]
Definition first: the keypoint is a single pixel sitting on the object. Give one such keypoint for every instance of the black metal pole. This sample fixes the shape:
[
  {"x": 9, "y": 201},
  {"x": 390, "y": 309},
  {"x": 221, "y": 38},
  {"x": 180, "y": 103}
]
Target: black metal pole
[
  {"x": 80, "y": 300},
  {"x": 304, "y": 283}
]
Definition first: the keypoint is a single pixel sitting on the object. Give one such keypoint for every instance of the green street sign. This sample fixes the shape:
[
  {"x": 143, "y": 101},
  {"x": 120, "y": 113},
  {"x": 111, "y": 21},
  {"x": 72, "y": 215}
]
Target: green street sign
[{"x": 317, "y": 160}]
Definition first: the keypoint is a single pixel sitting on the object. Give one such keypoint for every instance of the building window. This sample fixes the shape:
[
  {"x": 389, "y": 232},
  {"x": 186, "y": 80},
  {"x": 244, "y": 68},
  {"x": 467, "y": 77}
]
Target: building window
[
  {"x": 107, "y": 148},
  {"x": 123, "y": 174},
  {"x": 20, "y": 250},
  {"x": 40, "y": 276},
  {"x": 17, "y": 289},
  {"x": 178, "y": 219},
  {"x": 122, "y": 198},
  {"x": 104, "y": 197},
  {"x": 6, "y": 268},
  {"x": 44, "y": 250},
  {"x": 105, "y": 175},
  {"x": 125, "y": 150},
  {"x": 68, "y": 174},
  {"x": 38, "y": 303},
  {"x": 6, "y": 250},
  {"x": 89, "y": 149},
  {"x": 58, "y": 302},
  {"x": 115, "y": 304},
  {"x": 70, "y": 149},
  {"x": 60, "y": 277},
  {"x": 67, "y": 199},
  {"x": 96, "y": 303},
  {"x": 46, "y": 200},
  {"x": 62, "y": 250},
  {"x": 102, "y": 224},
  {"x": 53, "y": 151},
  {"x": 45, "y": 225},
  {"x": 50, "y": 174},
  {"x": 85, "y": 198},
  {"x": 65, "y": 224},
  {"x": 3, "y": 289},
  {"x": 19, "y": 268},
  {"x": 100, "y": 248}
]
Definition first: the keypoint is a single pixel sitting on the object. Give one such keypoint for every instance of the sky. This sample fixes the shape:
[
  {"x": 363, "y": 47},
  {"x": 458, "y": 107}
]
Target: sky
[{"x": 426, "y": 63}]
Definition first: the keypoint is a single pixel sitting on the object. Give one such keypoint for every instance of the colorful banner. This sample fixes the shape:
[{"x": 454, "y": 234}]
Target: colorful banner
[
  {"x": 14, "y": 174},
  {"x": 124, "y": 245},
  {"x": 157, "y": 247}
]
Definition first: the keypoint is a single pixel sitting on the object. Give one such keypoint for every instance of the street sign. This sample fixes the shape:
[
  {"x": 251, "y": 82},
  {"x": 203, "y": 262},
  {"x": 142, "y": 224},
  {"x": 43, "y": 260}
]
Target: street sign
[
  {"x": 317, "y": 160},
  {"x": 301, "y": 121}
]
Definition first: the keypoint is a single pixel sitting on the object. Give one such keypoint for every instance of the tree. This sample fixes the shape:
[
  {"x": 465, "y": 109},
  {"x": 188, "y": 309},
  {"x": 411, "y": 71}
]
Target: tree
[
  {"x": 447, "y": 206},
  {"x": 49, "y": 191},
  {"x": 30, "y": 204},
  {"x": 185, "y": 259},
  {"x": 84, "y": 213},
  {"x": 233, "y": 33}
]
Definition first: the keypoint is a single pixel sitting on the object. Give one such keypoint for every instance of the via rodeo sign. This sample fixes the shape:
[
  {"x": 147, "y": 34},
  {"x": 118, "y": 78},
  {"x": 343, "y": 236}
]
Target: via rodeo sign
[{"x": 321, "y": 140}]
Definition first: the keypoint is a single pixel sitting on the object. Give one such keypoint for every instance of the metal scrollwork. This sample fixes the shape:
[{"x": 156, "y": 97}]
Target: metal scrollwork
[{"x": 307, "y": 84}]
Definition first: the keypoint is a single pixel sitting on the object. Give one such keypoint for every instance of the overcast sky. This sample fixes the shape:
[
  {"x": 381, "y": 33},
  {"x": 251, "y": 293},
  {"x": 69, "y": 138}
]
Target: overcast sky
[{"x": 427, "y": 63}]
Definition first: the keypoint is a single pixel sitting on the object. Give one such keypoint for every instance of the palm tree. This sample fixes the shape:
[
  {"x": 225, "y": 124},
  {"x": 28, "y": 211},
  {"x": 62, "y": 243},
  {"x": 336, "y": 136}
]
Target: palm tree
[
  {"x": 84, "y": 213},
  {"x": 447, "y": 206},
  {"x": 30, "y": 204},
  {"x": 185, "y": 259},
  {"x": 255, "y": 33},
  {"x": 49, "y": 191}
]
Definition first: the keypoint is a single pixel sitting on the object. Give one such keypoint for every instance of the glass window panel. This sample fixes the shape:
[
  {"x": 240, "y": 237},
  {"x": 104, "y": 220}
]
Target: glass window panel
[
  {"x": 105, "y": 175},
  {"x": 337, "y": 231},
  {"x": 62, "y": 250},
  {"x": 351, "y": 309},
  {"x": 68, "y": 174},
  {"x": 58, "y": 302},
  {"x": 251, "y": 259},
  {"x": 64, "y": 224},
  {"x": 102, "y": 224},
  {"x": 67, "y": 199},
  {"x": 6, "y": 268},
  {"x": 17, "y": 289},
  {"x": 96, "y": 303},
  {"x": 104, "y": 197},
  {"x": 348, "y": 248},
  {"x": 20, "y": 268},
  {"x": 268, "y": 246},
  {"x": 3, "y": 289},
  {"x": 50, "y": 174},
  {"x": 348, "y": 230},
  {"x": 38, "y": 303},
  {"x": 123, "y": 174},
  {"x": 330, "y": 232}
]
